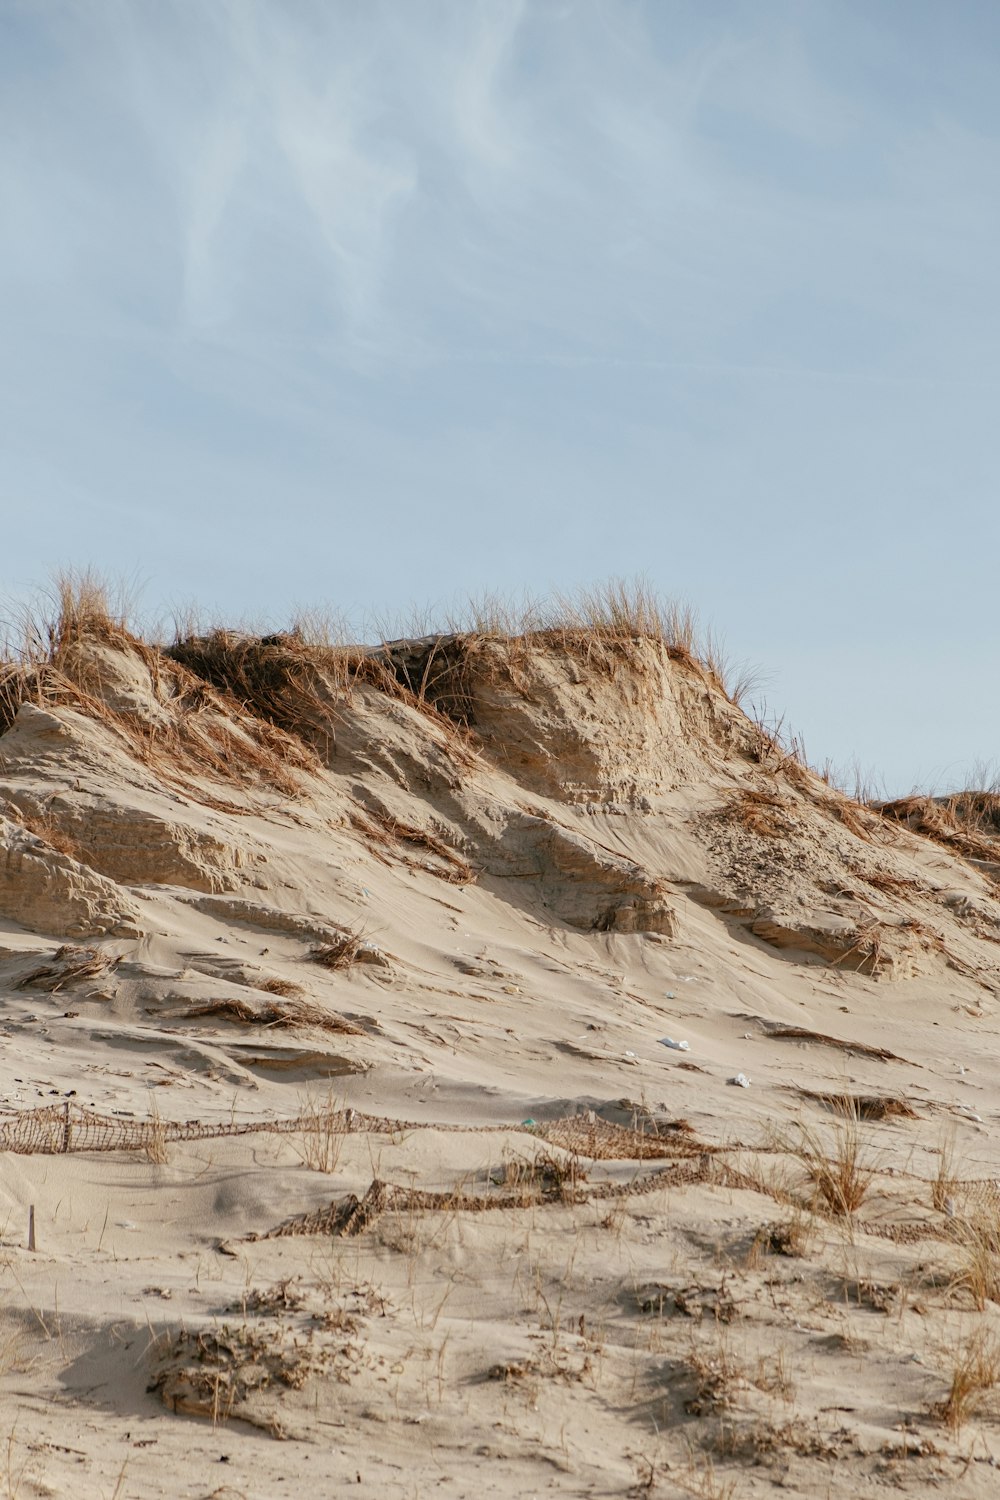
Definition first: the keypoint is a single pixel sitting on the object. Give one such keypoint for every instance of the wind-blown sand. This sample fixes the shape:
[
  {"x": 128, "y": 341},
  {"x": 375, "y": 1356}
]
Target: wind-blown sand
[{"x": 536, "y": 859}]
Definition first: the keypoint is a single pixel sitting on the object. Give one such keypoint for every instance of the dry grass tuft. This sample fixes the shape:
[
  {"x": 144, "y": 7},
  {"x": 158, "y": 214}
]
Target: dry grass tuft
[
  {"x": 343, "y": 952},
  {"x": 855, "y": 817},
  {"x": 323, "y": 1134},
  {"x": 68, "y": 965},
  {"x": 977, "y": 810},
  {"x": 890, "y": 884},
  {"x": 699, "y": 1479},
  {"x": 976, "y": 1370},
  {"x": 622, "y": 611},
  {"x": 945, "y": 1179},
  {"x": 287, "y": 988},
  {"x": 553, "y": 1176},
  {"x": 619, "y": 611},
  {"x": 978, "y": 1274},
  {"x": 778, "y": 748},
  {"x": 286, "y": 1011},
  {"x": 870, "y": 952},
  {"x": 840, "y": 1176},
  {"x": 863, "y": 1106}
]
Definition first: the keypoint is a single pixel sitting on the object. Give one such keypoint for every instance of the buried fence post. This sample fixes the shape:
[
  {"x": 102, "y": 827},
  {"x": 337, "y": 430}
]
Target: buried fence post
[
  {"x": 67, "y": 1128},
  {"x": 31, "y": 1227}
]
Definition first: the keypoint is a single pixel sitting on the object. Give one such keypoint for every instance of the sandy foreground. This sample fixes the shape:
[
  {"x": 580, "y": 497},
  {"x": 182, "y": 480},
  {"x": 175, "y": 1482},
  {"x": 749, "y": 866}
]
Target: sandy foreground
[{"x": 577, "y": 1260}]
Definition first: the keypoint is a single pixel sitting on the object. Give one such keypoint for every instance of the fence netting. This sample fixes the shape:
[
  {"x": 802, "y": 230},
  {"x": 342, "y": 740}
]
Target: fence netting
[{"x": 59, "y": 1128}]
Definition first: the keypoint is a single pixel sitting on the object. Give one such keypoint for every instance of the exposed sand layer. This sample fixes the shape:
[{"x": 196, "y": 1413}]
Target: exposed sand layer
[{"x": 500, "y": 925}]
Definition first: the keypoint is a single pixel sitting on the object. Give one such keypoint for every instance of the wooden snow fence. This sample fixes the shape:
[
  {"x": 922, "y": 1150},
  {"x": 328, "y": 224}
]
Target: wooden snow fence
[{"x": 58, "y": 1128}]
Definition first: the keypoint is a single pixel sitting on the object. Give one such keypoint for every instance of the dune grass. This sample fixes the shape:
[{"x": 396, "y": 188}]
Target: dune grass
[
  {"x": 842, "y": 1171},
  {"x": 960, "y": 822},
  {"x": 51, "y": 657},
  {"x": 260, "y": 709},
  {"x": 975, "y": 1372}
]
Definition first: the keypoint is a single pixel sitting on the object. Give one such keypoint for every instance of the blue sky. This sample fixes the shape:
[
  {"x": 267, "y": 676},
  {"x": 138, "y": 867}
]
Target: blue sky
[{"x": 377, "y": 304}]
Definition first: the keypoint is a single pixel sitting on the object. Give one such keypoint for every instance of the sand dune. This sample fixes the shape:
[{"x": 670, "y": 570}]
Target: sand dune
[{"x": 494, "y": 922}]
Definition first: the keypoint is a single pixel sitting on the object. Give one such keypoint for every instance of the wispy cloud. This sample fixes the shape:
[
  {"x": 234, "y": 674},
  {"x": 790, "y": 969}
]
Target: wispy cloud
[
  {"x": 730, "y": 265},
  {"x": 374, "y": 180}
]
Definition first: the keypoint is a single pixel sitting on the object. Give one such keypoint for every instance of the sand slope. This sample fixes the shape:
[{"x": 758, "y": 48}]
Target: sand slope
[{"x": 466, "y": 884}]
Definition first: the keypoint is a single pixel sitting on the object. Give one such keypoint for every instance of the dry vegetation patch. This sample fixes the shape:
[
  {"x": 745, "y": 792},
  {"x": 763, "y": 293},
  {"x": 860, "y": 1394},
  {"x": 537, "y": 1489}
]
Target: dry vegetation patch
[
  {"x": 862, "y": 1106},
  {"x": 285, "y": 1011},
  {"x": 945, "y": 1181},
  {"x": 69, "y": 965},
  {"x": 789, "y": 1237},
  {"x": 346, "y": 950},
  {"x": 717, "y": 1376},
  {"x": 758, "y": 1441},
  {"x": 279, "y": 678},
  {"x": 803, "y": 1033},
  {"x": 300, "y": 680},
  {"x": 285, "y": 1296},
  {"x": 853, "y": 815},
  {"x": 383, "y": 830},
  {"x": 691, "y": 1300},
  {"x": 244, "y": 1370},
  {"x": 603, "y": 629},
  {"x": 889, "y": 883},
  {"x": 951, "y": 821},
  {"x": 44, "y": 826},
  {"x": 762, "y": 813}
]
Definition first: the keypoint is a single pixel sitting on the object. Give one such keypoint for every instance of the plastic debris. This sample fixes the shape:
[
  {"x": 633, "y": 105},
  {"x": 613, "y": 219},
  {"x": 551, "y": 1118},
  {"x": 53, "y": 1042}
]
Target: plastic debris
[
  {"x": 670, "y": 995},
  {"x": 741, "y": 1081},
  {"x": 668, "y": 1041},
  {"x": 529, "y": 1122}
]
